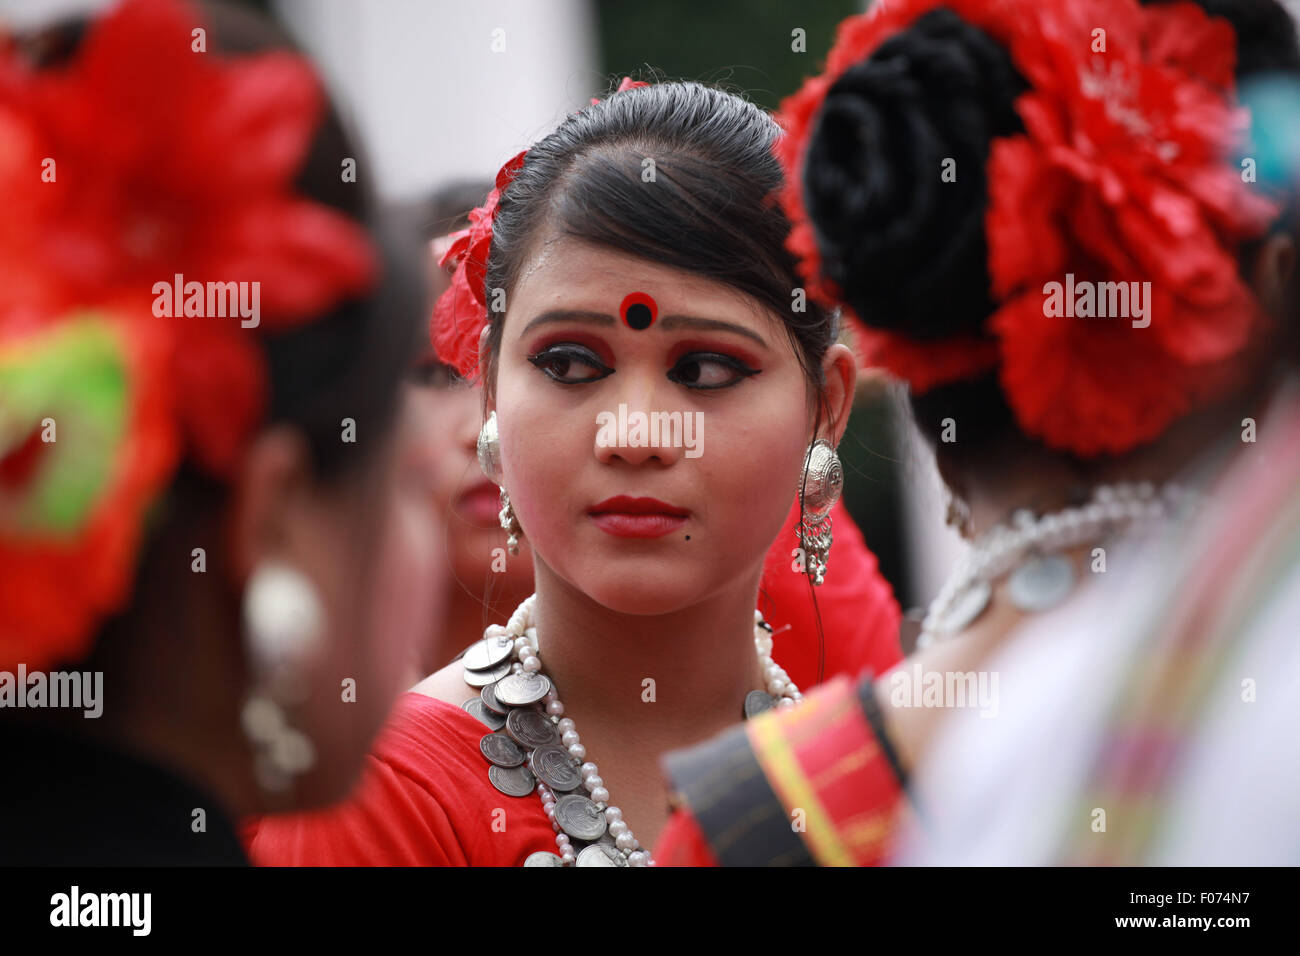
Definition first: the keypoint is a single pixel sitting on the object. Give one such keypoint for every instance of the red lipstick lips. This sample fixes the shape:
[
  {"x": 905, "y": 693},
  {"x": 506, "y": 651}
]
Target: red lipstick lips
[
  {"x": 626, "y": 517},
  {"x": 480, "y": 504}
]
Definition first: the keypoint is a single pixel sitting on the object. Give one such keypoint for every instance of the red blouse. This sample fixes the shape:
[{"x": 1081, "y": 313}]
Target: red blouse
[
  {"x": 859, "y": 615},
  {"x": 425, "y": 798}
]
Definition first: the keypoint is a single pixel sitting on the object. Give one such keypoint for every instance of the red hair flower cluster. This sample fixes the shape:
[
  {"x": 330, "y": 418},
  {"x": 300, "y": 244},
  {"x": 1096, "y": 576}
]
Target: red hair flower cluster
[
  {"x": 141, "y": 159},
  {"x": 1122, "y": 175},
  {"x": 461, "y": 313}
]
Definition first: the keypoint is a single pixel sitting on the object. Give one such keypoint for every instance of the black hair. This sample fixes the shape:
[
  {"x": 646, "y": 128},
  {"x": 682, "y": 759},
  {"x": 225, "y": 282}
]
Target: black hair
[
  {"x": 350, "y": 362},
  {"x": 710, "y": 209},
  {"x": 894, "y": 238},
  {"x": 909, "y": 253}
]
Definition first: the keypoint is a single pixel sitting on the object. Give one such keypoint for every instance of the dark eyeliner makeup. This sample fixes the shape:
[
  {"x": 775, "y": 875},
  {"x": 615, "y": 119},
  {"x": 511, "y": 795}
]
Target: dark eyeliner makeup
[
  {"x": 564, "y": 355},
  {"x": 742, "y": 370}
]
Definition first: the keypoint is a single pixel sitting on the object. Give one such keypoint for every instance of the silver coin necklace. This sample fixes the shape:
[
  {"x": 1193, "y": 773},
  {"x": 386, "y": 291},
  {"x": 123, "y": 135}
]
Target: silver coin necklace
[{"x": 533, "y": 746}]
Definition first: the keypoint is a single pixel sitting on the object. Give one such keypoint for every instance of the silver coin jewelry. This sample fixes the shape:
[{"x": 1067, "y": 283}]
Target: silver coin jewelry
[
  {"x": 1026, "y": 552},
  {"x": 534, "y": 747}
]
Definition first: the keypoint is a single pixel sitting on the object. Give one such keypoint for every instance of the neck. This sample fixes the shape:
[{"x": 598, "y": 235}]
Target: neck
[
  {"x": 675, "y": 677},
  {"x": 467, "y": 614},
  {"x": 1043, "y": 481}
]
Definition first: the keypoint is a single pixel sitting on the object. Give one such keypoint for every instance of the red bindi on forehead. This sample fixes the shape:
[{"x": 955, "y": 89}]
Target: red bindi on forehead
[{"x": 638, "y": 311}]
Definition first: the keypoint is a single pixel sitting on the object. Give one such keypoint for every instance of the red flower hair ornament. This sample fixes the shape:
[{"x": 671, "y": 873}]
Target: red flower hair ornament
[
  {"x": 1121, "y": 175},
  {"x": 461, "y": 313},
  {"x": 117, "y": 174}
]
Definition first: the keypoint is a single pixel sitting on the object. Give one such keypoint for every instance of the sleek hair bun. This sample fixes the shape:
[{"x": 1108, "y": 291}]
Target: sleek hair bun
[{"x": 905, "y": 247}]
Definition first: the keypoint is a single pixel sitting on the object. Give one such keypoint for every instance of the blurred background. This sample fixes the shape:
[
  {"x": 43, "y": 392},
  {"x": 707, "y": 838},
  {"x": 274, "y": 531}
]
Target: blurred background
[{"x": 443, "y": 92}]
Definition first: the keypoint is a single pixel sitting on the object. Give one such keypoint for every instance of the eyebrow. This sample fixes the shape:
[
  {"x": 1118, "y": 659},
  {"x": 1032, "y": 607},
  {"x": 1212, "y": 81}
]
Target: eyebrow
[{"x": 668, "y": 322}]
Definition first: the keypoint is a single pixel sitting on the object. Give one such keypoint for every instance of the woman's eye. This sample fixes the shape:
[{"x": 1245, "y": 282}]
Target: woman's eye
[
  {"x": 571, "y": 364},
  {"x": 706, "y": 370}
]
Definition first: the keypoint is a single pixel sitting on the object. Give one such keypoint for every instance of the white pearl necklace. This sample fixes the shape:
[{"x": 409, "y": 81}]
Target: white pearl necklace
[
  {"x": 521, "y": 628},
  {"x": 1121, "y": 506}
]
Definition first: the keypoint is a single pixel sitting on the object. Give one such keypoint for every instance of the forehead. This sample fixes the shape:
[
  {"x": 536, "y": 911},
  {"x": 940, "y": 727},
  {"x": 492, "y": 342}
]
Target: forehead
[{"x": 565, "y": 272}]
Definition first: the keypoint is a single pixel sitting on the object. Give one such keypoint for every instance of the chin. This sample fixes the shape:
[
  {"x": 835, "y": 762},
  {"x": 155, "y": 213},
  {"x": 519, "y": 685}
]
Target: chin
[{"x": 648, "y": 593}]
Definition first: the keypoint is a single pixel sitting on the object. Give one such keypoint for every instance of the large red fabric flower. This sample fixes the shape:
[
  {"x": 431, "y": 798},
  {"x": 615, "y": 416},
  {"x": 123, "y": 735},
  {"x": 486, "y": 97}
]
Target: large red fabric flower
[
  {"x": 140, "y": 159},
  {"x": 924, "y": 365},
  {"x": 61, "y": 571},
  {"x": 461, "y": 313},
  {"x": 167, "y": 161},
  {"x": 1121, "y": 175}
]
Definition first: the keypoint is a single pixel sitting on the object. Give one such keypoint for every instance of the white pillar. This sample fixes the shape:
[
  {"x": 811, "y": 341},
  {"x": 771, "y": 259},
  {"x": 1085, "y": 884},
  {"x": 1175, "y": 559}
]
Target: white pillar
[{"x": 447, "y": 89}]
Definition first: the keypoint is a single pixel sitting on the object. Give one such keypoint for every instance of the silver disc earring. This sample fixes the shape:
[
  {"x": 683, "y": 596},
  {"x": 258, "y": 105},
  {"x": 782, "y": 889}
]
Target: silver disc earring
[
  {"x": 823, "y": 480},
  {"x": 489, "y": 459},
  {"x": 489, "y": 449},
  {"x": 283, "y": 620}
]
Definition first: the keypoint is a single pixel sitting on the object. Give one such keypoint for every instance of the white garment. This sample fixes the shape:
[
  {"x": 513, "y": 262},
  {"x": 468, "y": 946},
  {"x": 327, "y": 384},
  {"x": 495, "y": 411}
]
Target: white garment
[{"x": 1012, "y": 789}]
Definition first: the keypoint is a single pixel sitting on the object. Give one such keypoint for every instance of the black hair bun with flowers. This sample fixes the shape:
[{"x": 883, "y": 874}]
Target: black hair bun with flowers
[{"x": 905, "y": 242}]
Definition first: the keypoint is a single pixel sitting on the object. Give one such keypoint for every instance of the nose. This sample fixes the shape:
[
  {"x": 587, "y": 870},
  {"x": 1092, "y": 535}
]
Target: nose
[{"x": 640, "y": 427}]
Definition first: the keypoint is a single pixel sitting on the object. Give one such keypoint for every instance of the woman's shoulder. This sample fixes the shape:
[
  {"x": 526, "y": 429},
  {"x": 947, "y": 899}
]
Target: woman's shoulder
[
  {"x": 430, "y": 739},
  {"x": 447, "y": 686},
  {"x": 430, "y": 714}
]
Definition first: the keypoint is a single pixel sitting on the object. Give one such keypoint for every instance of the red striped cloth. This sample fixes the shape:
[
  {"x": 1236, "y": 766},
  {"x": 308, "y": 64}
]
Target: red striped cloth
[{"x": 822, "y": 765}]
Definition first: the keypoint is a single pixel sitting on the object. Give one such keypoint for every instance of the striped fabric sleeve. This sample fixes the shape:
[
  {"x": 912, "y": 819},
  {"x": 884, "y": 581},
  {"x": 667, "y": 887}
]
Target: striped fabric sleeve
[{"x": 806, "y": 786}]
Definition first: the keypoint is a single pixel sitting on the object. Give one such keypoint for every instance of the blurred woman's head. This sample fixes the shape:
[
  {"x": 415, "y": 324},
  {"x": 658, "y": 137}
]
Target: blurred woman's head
[
  {"x": 658, "y": 197},
  {"x": 468, "y": 505},
  {"x": 939, "y": 213},
  {"x": 486, "y": 583},
  {"x": 280, "y": 460}
]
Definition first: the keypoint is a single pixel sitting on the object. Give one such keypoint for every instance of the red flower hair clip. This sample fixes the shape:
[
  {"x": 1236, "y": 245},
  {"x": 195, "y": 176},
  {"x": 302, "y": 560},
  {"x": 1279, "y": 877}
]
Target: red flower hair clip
[
  {"x": 1120, "y": 176},
  {"x": 138, "y": 172},
  {"x": 461, "y": 313}
]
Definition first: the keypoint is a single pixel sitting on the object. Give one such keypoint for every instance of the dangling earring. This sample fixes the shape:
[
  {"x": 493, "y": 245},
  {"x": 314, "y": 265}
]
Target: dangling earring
[
  {"x": 823, "y": 480},
  {"x": 958, "y": 515},
  {"x": 283, "y": 621},
  {"x": 489, "y": 459},
  {"x": 510, "y": 523}
]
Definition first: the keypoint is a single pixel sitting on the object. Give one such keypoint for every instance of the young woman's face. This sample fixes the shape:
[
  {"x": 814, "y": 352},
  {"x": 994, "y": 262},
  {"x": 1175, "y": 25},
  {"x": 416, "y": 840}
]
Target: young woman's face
[{"x": 576, "y": 392}]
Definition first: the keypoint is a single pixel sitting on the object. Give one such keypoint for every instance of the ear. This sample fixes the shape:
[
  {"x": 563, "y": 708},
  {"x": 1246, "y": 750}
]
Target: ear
[
  {"x": 489, "y": 387},
  {"x": 275, "y": 474},
  {"x": 1272, "y": 270},
  {"x": 840, "y": 371}
]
